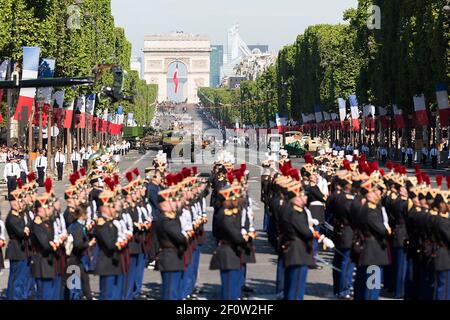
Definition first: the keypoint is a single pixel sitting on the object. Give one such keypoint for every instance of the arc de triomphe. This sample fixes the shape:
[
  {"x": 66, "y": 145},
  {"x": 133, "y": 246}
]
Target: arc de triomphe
[{"x": 178, "y": 63}]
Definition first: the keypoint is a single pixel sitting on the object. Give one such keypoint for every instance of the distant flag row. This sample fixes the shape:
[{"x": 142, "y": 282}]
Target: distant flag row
[
  {"x": 63, "y": 111},
  {"x": 369, "y": 112}
]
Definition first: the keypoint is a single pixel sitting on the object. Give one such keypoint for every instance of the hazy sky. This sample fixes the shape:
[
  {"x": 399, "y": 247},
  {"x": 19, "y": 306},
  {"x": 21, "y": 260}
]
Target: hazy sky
[{"x": 272, "y": 22}]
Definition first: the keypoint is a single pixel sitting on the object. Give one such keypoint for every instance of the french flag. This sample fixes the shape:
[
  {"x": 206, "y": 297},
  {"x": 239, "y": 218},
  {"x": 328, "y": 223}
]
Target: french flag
[
  {"x": 175, "y": 79},
  {"x": 383, "y": 117},
  {"x": 3, "y": 69},
  {"x": 27, "y": 95},
  {"x": 58, "y": 99},
  {"x": 279, "y": 123},
  {"x": 398, "y": 116},
  {"x": 318, "y": 113},
  {"x": 68, "y": 115},
  {"x": 105, "y": 121},
  {"x": 444, "y": 107},
  {"x": 369, "y": 115},
  {"x": 81, "y": 106},
  {"x": 90, "y": 106},
  {"x": 421, "y": 110},
  {"x": 342, "y": 109},
  {"x": 354, "y": 113}
]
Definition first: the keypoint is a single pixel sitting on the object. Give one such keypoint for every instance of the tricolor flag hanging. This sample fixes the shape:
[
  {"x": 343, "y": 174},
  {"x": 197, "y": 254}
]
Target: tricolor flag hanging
[
  {"x": 58, "y": 103},
  {"x": 278, "y": 123},
  {"x": 68, "y": 115},
  {"x": 421, "y": 110},
  {"x": 175, "y": 79},
  {"x": 105, "y": 121},
  {"x": 342, "y": 109},
  {"x": 46, "y": 70},
  {"x": 81, "y": 107},
  {"x": 354, "y": 112},
  {"x": 398, "y": 116},
  {"x": 326, "y": 116},
  {"x": 369, "y": 117},
  {"x": 443, "y": 104},
  {"x": 98, "y": 124},
  {"x": 90, "y": 106},
  {"x": 30, "y": 69},
  {"x": 383, "y": 117},
  {"x": 318, "y": 113}
]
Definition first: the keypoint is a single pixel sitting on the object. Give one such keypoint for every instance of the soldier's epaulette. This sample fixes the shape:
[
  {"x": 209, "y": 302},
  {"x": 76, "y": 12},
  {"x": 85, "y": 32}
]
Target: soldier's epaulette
[
  {"x": 445, "y": 215},
  {"x": 101, "y": 221},
  {"x": 350, "y": 196},
  {"x": 298, "y": 209},
  {"x": 394, "y": 196},
  {"x": 433, "y": 212},
  {"x": 371, "y": 205},
  {"x": 14, "y": 213},
  {"x": 37, "y": 220},
  {"x": 410, "y": 204}
]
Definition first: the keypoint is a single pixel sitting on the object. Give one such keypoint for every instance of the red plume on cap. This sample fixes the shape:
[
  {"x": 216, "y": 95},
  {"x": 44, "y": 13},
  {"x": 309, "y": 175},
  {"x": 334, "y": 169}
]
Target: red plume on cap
[
  {"x": 73, "y": 179},
  {"x": 179, "y": 177},
  {"x": 439, "y": 180},
  {"x": 243, "y": 167},
  {"x": 110, "y": 183},
  {"x": 295, "y": 174},
  {"x": 403, "y": 170},
  {"x": 448, "y": 182},
  {"x": 77, "y": 175},
  {"x": 48, "y": 185},
  {"x": 374, "y": 166},
  {"x": 424, "y": 175},
  {"x": 194, "y": 170},
  {"x": 19, "y": 183},
  {"x": 355, "y": 158},
  {"x": 389, "y": 165},
  {"x": 347, "y": 165},
  {"x": 230, "y": 177},
  {"x": 419, "y": 178},
  {"x": 83, "y": 171},
  {"x": 116, "y": 179},
  {"x": 136, "y": 172},
  {"x": 363, "y": 157},
  {"x": 31, "y": 177},
  {"x": 417, "y": 168},
  {"x": 308, "y": 158},
  {"x": 169, "y": 179},
  {"x": 288, "y": 164},
  {"x": 238, "y": 174},
  {"x": 129, "y": 176},
  {"x": 185, "y": 172},
  {"x": 427, "y": 180},
  {"x": 382, "y": 172},
  {"x": 397, "y": 168}
]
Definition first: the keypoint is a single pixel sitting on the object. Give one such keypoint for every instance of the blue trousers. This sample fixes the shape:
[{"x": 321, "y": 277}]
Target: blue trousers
[
  {"x": 45, "y": 289},
  {"x": 280, "y": 275},
  {"x": 230, "y": 290},
  {"x": 135, "y": 276},
  {"x": 186, "y": 280},
  {"x": 266, "y": 221},
  {"x": 18, "y": 280},
  {"x": 426, "y": 282},
  {"x": 342, "y": 280},
  {"x": 295, "y": 282},
  {"x": 399, "y": 269},
  {"x": 171, "y": 285},
  {"x": 243, "y": 274},
  {"x": 57, "y": 288},
  {"x": 411, "y": 279},
  {"x": 111, "y": 287},
  {"x": 362, "y": 290},
  {"x": 196, "y": 263},
  {"x": 442, "y": 291}
]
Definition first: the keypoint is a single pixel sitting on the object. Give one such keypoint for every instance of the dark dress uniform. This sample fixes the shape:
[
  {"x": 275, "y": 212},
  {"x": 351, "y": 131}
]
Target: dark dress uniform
[
  {"x": 228, "y": 255},
  {"x": 441, "y": 227},
  {"x": 343, "y": 239},
  {"x": 373, "y": 255},
  {"x": 43, "y": 262},
  {"x": 169, "y": 261},
  {"x": 296, "y": 239},
  {"x": 108, "y": 266},
  {"x": 152, "y": 197},
  {"x": 78, "y": 260},
  {"x": 69, "y": 218},
  {"x": 18, "y": 255},
  {"x": 265, "y": 186}
]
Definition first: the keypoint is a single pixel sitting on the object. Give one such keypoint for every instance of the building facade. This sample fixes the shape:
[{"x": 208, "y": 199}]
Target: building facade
[
  {"x": 179, "y": 63},
  {"x": 216, "y": 64},
  {"x": 136, "y": 65}
]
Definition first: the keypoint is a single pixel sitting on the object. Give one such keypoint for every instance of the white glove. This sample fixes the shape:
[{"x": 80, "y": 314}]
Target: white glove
[
  {"x": 315, "y": 222},
  {"x": 327, "y": 243}
]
